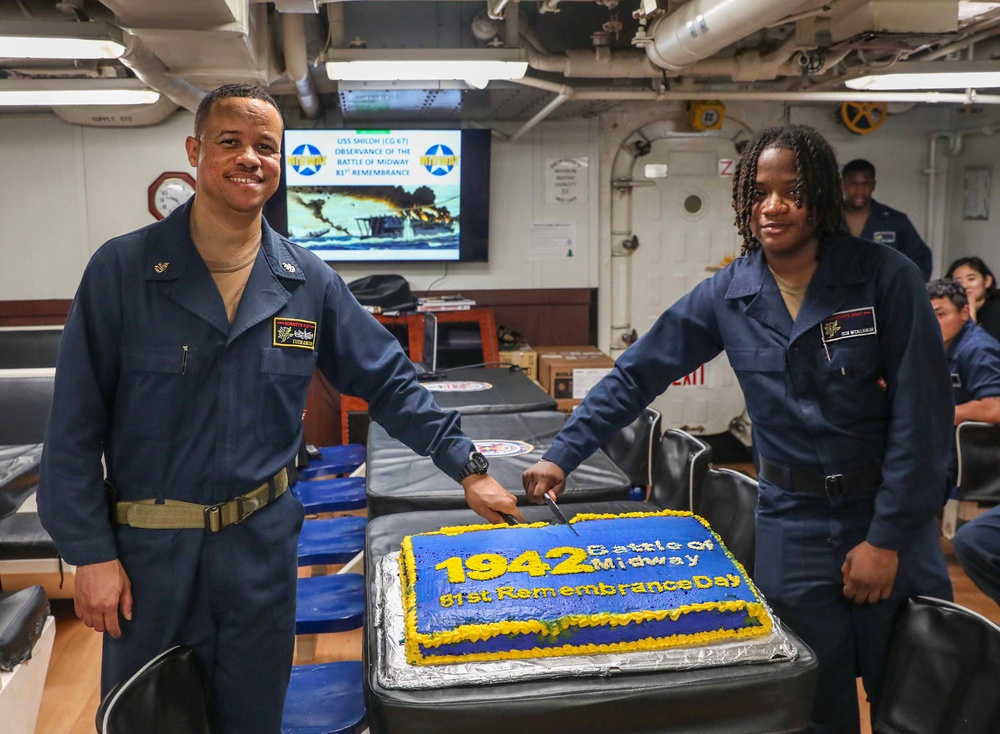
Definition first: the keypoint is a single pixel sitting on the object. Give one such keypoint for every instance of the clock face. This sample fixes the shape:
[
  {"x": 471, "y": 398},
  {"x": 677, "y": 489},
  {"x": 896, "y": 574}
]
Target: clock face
[{"x": 169, "y": 192}]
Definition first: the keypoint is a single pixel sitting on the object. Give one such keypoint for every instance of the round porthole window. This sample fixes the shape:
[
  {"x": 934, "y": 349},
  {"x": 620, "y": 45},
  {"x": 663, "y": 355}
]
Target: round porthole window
[{"x": 693, "y": 204}]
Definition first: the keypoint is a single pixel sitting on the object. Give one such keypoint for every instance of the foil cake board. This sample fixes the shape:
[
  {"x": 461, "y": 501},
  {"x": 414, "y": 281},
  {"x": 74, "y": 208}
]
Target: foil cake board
[{"x": 394, "y": 672}]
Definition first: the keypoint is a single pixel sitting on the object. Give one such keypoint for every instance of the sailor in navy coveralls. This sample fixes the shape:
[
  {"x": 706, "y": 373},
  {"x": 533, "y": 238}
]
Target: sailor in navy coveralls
[
  {"x": 872, "y": 220},
  {"x": 189, "y": 380},
  {"x": 844, "y": 375}
]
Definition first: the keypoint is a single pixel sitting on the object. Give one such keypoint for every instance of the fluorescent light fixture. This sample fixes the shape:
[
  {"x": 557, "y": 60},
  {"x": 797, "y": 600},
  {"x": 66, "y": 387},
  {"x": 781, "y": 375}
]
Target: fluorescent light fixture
[
  {"x": 476, "y": 65},
  {"x": 57, "y": 92},
  {"x": 29, "y": 39},
  {"x": 940, "y": 75}
]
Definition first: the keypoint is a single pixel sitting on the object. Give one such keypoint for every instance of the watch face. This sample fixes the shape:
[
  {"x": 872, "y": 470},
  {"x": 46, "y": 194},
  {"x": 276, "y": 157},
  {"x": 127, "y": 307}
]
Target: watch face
[
  {"x": 479, "y": 462},
  {"x": 170, "y": 194}
]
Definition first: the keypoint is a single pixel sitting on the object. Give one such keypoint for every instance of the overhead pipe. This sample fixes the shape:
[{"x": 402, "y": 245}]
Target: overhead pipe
[
  {"x": 153, "y": 73},
  {"x": 700, "y": 28},
  {"x": 579, "y": 63},
  {"x": 293, "y": 32}
]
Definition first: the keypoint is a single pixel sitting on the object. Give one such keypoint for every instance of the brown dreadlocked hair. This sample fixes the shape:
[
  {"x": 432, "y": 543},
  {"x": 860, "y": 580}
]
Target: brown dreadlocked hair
[{"x": 819, "y": 186}]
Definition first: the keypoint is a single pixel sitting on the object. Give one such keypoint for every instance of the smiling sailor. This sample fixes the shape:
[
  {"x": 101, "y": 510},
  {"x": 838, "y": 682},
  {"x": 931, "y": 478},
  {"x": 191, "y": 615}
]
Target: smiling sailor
[
  {"x": 844, "y": 374},
  {"x": 184, "y": 364}
]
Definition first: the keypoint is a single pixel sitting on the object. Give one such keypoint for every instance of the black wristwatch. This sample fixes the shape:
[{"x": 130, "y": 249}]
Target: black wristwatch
[{"x": 477, "y": 465}]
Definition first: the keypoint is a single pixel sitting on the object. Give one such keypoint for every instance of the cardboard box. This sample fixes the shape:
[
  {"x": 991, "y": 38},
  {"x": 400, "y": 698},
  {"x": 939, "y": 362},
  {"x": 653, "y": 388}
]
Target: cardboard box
[
  {"x": 568, "y": 373},
  {"x": 524, "y": 357},
  {"x": 566, "y": 405}
]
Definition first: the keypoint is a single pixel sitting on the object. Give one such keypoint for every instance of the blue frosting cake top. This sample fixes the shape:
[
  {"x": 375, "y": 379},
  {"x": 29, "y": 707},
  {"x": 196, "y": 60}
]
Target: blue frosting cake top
[{"x": 618, "y": 565}]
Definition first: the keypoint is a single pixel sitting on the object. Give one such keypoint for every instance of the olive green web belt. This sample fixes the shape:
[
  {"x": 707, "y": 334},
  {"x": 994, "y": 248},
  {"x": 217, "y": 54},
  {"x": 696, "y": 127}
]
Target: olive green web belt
[{"x": 174, "y": 514}]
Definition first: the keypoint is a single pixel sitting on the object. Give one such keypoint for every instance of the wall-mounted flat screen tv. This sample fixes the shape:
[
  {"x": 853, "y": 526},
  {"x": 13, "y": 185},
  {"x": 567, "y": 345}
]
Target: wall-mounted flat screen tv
[{"x": 386, "y": 195}]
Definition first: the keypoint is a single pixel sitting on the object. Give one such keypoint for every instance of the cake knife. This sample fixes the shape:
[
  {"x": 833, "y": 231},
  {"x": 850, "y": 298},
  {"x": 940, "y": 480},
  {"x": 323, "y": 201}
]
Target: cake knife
[{"x": 560, "y": 517}]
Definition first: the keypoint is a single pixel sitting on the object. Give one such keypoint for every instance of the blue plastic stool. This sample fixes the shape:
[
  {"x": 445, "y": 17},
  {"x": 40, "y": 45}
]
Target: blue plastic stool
[
  {"x": 335, "y": 460},
  {"x": 336, "y": 540},
  {"x": 324, "y": 699},
  {"x": 330, "y": 604},
  {"x": 331, "y": 495}
]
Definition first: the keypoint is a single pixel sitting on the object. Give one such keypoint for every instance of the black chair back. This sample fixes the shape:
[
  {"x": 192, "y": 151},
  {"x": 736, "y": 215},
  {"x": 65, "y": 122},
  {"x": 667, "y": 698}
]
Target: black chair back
[
  {"x": 679, "y": 465},
  {"x": 29, "y": 347},
  {"x": 728, "y": 500},
  {"x": 166, "y": 696},
  {"x": 943, "y": 672},
  {"x": 632, "y": 448},
  {"x": 979, "y": 462},
  {"x": 25, "y": 400}
]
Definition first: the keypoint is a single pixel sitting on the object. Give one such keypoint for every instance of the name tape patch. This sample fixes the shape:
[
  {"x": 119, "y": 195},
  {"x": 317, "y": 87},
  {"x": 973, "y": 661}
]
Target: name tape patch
[
  {"x": 294, "y": 333},
  {"x": 885, "y": 238},
  {"x": 848, "y": 324}
]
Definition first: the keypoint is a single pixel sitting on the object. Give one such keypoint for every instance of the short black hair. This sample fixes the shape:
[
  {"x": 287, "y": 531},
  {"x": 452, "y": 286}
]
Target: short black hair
[
  {"x": 228, "y": 91},
  {"x": 858, "y": 165},
  {"x": 819, "y": 187},
  {"x": 976, "y": 264},
  {"x": 950, "y": 289}
]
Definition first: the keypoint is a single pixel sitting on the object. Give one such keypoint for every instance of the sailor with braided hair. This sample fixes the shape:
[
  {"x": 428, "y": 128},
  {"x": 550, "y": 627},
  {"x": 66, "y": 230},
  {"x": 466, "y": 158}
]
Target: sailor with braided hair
[{"x": 845, "y": 379}]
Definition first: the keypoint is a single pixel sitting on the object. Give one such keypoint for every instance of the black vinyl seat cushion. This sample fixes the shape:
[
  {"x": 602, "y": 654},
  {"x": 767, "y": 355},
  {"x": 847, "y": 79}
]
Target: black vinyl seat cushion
[
  {"x": 398, "y": 480},
  {"x": 679, "y": 466},
  {"x": 511, "y": 391},
  {"x": 978, "y": 462},
  {"x": 18, "y": 475},
  {"x": 25, "y": 401},
  {"x": 634, "y": 446},
  {"x": 772, "y": 697},
  {"x": 22, "y": 617},
  {"x": 728, "y": 500},
  {"x": 23, "y": 537}
]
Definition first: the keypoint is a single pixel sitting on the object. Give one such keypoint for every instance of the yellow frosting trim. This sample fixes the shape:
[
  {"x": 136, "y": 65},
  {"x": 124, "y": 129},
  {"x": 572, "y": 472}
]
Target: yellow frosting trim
[
  {"x": 479, "y": 632},
  {"x": 648, "y": 644}
]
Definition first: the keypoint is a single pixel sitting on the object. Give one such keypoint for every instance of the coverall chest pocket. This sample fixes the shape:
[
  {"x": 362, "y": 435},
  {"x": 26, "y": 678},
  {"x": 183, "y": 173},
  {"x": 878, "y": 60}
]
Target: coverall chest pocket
[
  {"x": 761, "y": 373},
  {"x": 285, "y": 376},
  {"x": 155, "y": 391},
  {"x": 851, "y": 380}
]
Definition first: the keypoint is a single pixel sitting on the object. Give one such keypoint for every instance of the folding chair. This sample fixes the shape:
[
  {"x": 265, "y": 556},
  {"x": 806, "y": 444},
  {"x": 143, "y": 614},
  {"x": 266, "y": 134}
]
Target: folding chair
[
  {"x": 331, "y": 495},
  {"x": 943, "y": 672},
  {"x": 728, "y": 500},
  {"x": 632, "y": 450},
  {"x": 978, "y": 479},
  {"x": 334, "y": 460},
  {"x": 679, "y": 466},
  {"x": 324, "y": 699}
]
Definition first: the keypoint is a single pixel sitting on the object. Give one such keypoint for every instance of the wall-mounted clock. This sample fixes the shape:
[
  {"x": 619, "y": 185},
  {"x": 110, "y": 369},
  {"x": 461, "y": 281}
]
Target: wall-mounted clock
[{"x": 168, "y": 192}]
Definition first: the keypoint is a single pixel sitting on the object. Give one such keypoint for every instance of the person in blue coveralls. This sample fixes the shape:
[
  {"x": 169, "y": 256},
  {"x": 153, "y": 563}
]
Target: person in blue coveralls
[
  {"x": 974, "y": 361},
  {"x": 184, "y": 365},
  {"x": 843, "y": 370},
  {"x": 872, "y": 220},
  {"x": 981, "y": 290}
]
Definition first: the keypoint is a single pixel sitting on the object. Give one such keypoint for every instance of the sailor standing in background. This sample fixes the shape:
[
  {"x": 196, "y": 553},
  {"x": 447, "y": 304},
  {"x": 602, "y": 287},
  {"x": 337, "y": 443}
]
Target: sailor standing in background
[
  {"x": 843, "y": 370},
  {"x": 872, "y": 220},
  {"x": 184, "y": 364}
]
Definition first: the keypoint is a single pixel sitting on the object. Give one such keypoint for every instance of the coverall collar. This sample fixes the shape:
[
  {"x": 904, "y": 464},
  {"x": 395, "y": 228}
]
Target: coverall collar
[
  {"x": 173, "y": 260},
  {"x": 827, "y": 291}
]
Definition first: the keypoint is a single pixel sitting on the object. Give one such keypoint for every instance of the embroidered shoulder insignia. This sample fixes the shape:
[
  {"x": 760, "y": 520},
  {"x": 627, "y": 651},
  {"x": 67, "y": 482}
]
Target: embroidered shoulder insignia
[{"x": 161, "y": 267}]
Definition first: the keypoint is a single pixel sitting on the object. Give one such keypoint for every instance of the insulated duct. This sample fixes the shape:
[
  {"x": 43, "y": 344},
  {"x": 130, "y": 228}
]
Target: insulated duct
[
  {"x": 138, "y": 115},
  {"x": 701, "y": 28},
  {"x": 148, "y": 67},
  {"x": 293, "y": 31}
]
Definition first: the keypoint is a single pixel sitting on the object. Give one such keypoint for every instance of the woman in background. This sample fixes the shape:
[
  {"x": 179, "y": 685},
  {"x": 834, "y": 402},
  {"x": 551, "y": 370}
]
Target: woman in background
[{"x": 980, "y": 288}]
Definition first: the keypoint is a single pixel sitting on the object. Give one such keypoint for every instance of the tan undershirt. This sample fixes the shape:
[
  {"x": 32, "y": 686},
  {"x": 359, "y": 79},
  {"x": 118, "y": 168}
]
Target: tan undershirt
[
  {"x": 791, "y": 294},
  {"x": 231, "y": 278}
]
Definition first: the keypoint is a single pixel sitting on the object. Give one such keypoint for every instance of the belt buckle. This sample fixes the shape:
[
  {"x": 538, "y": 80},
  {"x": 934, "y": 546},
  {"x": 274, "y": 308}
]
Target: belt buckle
[
  {"x": 831, "y": 484},
  {"x": 213, "y": 519}
]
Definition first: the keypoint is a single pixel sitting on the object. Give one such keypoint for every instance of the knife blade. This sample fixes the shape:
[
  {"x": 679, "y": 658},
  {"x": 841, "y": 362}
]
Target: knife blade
[{"x": 560, "y": 517}]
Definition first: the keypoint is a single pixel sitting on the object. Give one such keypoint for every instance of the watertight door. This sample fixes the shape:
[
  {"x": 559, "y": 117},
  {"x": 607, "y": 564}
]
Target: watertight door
[{"x": 684, "y": 223}]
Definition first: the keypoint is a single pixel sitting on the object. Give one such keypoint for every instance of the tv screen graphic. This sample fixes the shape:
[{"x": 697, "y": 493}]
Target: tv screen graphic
[{"x": 387, "y": 195}]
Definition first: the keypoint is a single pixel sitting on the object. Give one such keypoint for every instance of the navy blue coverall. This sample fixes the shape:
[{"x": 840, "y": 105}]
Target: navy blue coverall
[
  {"x": 892, "y": 228},
  {"x": 184, "y": 405},
  {"x": 974, "y": 360},
  {"x": 882, "y": 395}
]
